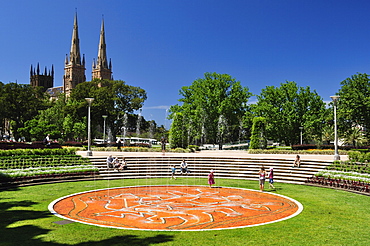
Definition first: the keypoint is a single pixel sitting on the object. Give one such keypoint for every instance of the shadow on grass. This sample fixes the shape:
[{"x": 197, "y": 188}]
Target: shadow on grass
[{"x": 10, "y": 234}]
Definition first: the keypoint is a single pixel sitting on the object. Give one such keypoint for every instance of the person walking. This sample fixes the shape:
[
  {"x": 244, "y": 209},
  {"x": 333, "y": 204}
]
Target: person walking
[
  {"x": 271, "y": 178},
  {"x": 163, "y": 145},
  {"x": 211, "y": 178},
  {"x": 173, "y": 171},
  {"x": 262, "y": 178},
  {"x": 47, "y": 140},
  {"x": 119, "y": 145}
]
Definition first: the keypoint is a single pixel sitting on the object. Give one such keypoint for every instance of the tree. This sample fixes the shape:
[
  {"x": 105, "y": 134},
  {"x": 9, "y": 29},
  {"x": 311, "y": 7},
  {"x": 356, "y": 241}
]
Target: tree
[
  {"x": 112, "y": 98},
  {"x": 178, "y": 136},
  {"x": 354, "y": 103},
  {"x": 288, "y": 107},
  {"x": 2, "y": 111},
  {"x": 355, "y": 137},
  {"x": 205, "y": 101},
  {"x": 48, "y": 121},
  {"x": 258, "y": 140},
  {"x": 21, "y": 103},
  {"x": 327, "y": 134}
]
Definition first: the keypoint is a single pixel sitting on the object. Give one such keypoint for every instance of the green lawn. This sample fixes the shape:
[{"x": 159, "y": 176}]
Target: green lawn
[{"x": 329, "y": 217}]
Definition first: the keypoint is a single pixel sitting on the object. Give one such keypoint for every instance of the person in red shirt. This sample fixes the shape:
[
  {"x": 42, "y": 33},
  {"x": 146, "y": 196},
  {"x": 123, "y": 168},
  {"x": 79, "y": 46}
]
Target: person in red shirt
[{"x": 211, "y": 179}]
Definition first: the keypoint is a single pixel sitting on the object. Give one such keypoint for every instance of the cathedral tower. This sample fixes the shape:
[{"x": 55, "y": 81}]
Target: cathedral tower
[
  {"x": 45, "y": 80},
  {"x": 101, "y": 69},
  {"x": 74, "y": 69}
]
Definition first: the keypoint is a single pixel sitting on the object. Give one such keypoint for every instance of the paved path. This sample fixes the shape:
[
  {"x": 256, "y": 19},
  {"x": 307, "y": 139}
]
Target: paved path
[{"x": 216, "y": 153}]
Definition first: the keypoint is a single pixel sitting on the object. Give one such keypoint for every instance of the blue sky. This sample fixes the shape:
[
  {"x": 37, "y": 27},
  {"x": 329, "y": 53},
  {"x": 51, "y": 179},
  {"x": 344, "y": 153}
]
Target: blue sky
[{"x": 162, "y": 45}]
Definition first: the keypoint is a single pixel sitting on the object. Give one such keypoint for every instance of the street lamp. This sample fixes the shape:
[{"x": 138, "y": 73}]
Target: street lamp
[
  {"x": 104, "y": 117},
  {"x": 89, "y": 152},
  {"x": 301, "y": 127},
  {"x": 336, "y": 155}
]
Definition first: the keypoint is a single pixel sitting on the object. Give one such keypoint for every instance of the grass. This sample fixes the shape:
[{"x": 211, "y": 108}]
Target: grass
[{"x": 329, "y": 217}]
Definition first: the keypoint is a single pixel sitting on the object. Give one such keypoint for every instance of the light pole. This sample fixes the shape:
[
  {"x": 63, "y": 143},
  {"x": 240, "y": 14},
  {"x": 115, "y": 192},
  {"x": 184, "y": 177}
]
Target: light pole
[
  {"x": 301, "y": 127},
  {"x": 336, "y": 155},
  {"x": 104, "y": 117},
  {"x": 89, "y": 152}
]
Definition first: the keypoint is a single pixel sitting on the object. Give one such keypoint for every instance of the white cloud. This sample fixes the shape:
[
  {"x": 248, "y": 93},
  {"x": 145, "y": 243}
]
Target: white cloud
[{"x": 157, "y": 107}]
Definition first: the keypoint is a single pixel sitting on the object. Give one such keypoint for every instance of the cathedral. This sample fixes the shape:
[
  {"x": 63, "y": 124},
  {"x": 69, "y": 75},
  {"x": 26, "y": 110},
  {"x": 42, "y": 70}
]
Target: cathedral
[{"x": 74, "y": 68}]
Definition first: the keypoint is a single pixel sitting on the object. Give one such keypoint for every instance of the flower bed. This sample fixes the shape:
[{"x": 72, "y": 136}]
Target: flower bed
[
  {"x": 42, "y": 161},
  {"x": 352, "y": 185},
  {"x": 22, "y": 165},
  {"x": 35, "y": 172},
  {"x": 362, "y": 177}
]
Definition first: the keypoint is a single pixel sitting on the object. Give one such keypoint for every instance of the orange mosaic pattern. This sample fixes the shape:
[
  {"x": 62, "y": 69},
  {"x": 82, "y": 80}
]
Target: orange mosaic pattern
[{"x": 175, "y": 208}]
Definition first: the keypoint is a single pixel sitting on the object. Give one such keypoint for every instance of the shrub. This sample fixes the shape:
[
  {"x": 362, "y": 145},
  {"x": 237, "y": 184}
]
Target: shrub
[
  {"x": 257, "y": 139},
  {"x": 358, "y": 156},
  {"x": 33, "y": 145},
  {"x": 294, "y": 152},
  {"x": 47, "y": 151},
  {"x": 193, "y": 148}
]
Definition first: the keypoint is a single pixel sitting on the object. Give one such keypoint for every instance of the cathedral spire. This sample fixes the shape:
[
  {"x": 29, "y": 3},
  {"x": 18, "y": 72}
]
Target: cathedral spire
[
  {"x": 74, "y": 69},
  {"x": 101, "y": 69},
  {"x": 75, "y": 56},
  {"x": 102, "y": 52}
]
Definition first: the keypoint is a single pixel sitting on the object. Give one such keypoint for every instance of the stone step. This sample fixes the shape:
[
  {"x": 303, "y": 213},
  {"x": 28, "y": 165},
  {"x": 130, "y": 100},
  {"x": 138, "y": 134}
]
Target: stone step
[{"x": 225, "y": 167}]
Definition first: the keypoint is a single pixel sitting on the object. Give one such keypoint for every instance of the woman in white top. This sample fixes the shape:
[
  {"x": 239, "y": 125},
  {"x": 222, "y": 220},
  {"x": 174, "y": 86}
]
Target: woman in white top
[{"x": 262, "y": 178}]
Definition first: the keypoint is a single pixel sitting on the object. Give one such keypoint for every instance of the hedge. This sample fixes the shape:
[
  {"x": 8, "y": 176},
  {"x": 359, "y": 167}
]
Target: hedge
[
  {"x": 34, "y": 145},
  {"x": 47, "y": 151}
]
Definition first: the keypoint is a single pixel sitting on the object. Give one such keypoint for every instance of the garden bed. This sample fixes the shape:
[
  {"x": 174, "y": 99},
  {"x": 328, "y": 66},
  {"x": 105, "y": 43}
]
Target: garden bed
[{"x": 28, "y": 165}]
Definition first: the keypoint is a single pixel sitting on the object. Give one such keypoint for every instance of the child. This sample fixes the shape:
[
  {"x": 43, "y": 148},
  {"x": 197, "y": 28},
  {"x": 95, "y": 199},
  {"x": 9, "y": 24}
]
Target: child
[
  {"x": 271, "y": 178},
  {"x": 211, "y": 179},
  {"x": 173, "y": 170}
]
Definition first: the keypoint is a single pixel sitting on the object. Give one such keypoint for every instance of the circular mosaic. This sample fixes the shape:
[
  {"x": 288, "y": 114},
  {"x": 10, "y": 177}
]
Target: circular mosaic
[{"x": 169, "y": 208}]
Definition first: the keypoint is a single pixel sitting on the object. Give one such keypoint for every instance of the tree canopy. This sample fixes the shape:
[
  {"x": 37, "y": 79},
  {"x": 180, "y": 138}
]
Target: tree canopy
[
  {"x": 354, "y": 103},
  {"x": 20, "y": 103},
  {"x": 205, "y": 101},
  {"x": 111, "y": 98},
  {"x": 288, "y": 107},
  {"x": 67, "y": 117}
]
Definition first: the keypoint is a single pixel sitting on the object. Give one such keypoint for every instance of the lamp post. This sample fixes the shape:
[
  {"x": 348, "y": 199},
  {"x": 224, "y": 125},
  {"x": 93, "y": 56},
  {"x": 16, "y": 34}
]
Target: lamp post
[
  {"x": 89, "y": 152},
  {"x": 104, "y": 117},
  {"x": 336, "y": 155},
  {"x": 301, "y": 128}
]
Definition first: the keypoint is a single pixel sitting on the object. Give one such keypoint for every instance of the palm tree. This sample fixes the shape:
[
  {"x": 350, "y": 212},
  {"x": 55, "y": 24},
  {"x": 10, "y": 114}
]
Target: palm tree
[
  {"x": 327, "y": 134},
  {"x": 355, "y": 137}
]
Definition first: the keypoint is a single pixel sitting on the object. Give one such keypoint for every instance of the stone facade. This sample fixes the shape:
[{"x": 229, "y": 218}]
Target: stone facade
[{"x": 45, "y": 80}]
